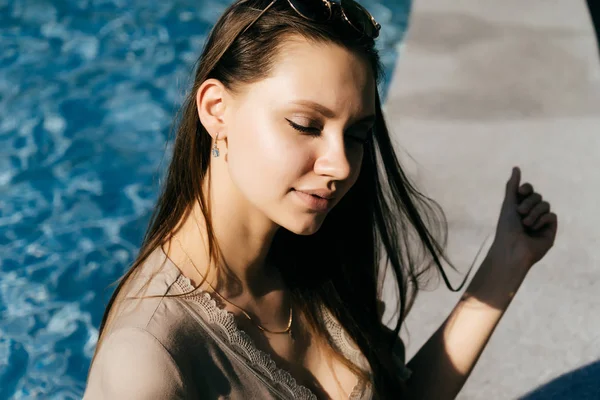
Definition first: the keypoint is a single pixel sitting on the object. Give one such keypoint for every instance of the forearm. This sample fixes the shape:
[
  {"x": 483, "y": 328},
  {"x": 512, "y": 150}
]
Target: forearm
[{"x": 444, "y": 363}]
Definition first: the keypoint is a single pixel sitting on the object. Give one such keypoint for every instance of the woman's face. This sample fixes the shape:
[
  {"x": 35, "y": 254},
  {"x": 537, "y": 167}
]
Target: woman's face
[{"x": 301, "y": 129}]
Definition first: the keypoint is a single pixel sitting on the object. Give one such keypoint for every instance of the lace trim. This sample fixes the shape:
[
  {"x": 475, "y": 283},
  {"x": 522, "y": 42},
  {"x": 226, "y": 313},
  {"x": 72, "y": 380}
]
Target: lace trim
[
  {"x": 344, "y": 344},
  {"x": 243, "y": 344},
  {"x": 358, "y": 393},
  {"x": 342, "y": 341}
]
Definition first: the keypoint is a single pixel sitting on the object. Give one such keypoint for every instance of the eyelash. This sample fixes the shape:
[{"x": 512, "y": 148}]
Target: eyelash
[{"x": 316, "y": 132}]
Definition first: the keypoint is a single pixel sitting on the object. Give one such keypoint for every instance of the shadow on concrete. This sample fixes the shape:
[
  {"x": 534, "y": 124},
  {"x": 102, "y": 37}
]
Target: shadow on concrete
[
  {"x": 580, "y": 384},
  {"x": 498, "y": 70}
]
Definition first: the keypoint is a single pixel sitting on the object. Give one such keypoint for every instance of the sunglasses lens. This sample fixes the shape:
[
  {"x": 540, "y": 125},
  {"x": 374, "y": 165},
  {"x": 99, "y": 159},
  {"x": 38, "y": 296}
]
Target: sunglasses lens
[
  {"x": 315, "y": 10},
  {"x": 359, "y": 18}
]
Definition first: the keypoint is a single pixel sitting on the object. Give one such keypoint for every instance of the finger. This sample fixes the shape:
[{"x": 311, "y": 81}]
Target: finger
[
  {"x": 512, "y": 186},
  {"x": 546, "y": 219},
  {"x": 538, "y": 211},
  {"x": 527, "y": 205},
  {"x": 526, "y": 189}
]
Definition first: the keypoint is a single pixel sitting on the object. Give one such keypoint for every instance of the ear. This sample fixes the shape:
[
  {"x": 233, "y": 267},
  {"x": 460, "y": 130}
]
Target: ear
[{"x": 211, "y": 102}]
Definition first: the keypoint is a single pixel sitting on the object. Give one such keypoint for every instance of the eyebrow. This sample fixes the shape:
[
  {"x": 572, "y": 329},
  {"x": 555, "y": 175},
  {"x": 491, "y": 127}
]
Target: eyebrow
[{"x": 326, "y": 112}]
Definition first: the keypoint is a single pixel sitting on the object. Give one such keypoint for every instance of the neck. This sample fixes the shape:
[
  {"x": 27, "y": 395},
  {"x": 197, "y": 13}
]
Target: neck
[{"x": 244, "y": 247}]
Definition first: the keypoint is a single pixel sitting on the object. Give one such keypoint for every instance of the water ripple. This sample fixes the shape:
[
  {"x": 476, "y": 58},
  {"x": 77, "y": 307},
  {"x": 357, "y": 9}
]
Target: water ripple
[{"x": 88, "y": 89}]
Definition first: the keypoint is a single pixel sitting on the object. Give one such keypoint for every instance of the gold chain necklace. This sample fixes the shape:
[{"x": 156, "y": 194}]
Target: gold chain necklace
[{"x": 289, "y": 326}]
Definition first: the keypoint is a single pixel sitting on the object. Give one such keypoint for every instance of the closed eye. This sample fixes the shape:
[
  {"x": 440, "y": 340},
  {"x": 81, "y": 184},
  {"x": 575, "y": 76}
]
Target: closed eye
[
  {"x": 316, "y": 132},
  {"x": 306, "y": 129}
]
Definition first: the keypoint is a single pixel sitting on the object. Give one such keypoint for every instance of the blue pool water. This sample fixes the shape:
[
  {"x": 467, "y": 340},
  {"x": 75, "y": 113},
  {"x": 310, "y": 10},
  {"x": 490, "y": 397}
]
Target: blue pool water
[{"x": 87, "y": 92}]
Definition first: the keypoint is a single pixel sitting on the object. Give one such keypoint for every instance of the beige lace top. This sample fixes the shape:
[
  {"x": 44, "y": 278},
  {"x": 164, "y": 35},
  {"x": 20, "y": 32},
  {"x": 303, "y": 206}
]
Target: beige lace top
[{"x": 189, "y": 348}]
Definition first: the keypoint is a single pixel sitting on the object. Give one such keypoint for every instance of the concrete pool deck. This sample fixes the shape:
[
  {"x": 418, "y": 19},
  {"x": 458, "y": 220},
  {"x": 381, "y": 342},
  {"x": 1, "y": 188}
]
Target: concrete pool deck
[{"x": 480, "y": 87}]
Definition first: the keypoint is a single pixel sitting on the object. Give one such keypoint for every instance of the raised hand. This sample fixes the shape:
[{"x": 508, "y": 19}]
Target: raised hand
[{"x": 526, "y": 228}]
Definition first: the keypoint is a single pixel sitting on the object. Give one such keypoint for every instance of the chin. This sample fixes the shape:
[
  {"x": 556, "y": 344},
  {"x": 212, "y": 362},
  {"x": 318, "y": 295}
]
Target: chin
[{"x": 305, "y": 226}]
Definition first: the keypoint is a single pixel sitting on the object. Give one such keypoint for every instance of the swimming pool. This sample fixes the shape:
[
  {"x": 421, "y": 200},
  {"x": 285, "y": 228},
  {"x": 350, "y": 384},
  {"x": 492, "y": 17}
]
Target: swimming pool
[{"x": 87, "y": 92}]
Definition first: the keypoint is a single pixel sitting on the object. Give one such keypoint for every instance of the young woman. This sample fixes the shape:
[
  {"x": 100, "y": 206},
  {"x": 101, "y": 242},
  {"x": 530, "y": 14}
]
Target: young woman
[{"x": 258, "y": 275}]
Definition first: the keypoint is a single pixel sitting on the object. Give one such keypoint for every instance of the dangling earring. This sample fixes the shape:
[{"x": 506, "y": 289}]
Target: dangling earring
[{"x": 215, "y": 150}]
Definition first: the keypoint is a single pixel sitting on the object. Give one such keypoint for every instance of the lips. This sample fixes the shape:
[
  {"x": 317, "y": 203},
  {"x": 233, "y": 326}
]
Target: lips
[
  {"x": 314, "y": 202},
  {"x": 322, "y": 193}
]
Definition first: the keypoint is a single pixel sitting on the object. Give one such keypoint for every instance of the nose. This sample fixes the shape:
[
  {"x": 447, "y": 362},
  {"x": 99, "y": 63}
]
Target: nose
[{"x": 335, "y": 160}]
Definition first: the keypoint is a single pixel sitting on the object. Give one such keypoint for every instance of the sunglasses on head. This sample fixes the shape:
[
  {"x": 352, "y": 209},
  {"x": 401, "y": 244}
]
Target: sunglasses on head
[{"x": 353, "y": 13}]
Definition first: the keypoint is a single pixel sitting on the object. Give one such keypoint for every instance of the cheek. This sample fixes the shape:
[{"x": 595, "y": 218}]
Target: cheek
[{"x": 264, "y": 161}]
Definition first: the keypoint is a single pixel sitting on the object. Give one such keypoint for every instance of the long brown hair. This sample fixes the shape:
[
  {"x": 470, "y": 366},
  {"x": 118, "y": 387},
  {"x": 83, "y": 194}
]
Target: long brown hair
[{"x": 383, "y": 220}]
